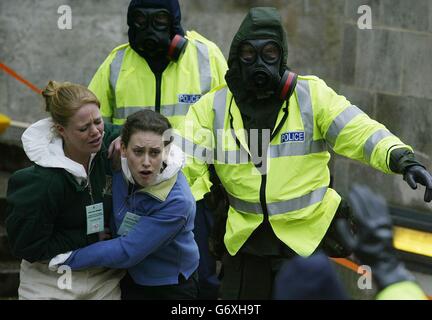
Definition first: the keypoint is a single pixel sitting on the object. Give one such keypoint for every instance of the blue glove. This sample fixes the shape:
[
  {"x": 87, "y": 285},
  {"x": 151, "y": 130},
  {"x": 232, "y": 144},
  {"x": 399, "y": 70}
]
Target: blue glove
[{"x": 417, "y": 174}]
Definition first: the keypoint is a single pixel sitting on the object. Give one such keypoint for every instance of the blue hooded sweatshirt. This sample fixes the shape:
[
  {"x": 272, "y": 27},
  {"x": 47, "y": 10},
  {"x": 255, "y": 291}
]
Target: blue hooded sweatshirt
[{"x": 161, "y": 245}]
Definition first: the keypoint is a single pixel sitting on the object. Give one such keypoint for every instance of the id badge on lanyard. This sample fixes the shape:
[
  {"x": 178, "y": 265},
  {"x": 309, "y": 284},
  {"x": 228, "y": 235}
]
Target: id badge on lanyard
[
  {"x": 95, "y": 215},
  {"x": 129, "y": 221},
  {"x": 95, "y": 218}
]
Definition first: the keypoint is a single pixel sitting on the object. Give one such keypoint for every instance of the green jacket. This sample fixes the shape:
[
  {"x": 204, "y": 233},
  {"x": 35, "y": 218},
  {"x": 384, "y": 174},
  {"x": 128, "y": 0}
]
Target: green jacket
[{"x": 46, "y": 203}]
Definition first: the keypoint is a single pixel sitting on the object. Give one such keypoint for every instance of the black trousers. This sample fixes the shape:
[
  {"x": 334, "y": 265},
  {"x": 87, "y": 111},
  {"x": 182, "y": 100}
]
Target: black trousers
[
  {"x": 251, "y": 276},
  {"x": 186, "y": 289},
  {"x": 208, "y": 279}
]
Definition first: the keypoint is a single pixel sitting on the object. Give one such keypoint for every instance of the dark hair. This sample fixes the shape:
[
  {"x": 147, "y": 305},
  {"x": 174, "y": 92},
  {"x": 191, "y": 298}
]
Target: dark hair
[{"x": 149, "y": 121}]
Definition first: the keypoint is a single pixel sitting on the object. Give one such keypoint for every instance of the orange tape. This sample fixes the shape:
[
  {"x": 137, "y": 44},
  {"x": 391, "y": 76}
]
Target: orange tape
[
  {"x": 15, "y": 75},
  {"x": 346, "y": 263}
]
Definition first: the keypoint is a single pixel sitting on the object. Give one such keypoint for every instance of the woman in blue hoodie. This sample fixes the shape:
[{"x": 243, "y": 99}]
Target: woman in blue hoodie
[{"x": 154, "y": 211}]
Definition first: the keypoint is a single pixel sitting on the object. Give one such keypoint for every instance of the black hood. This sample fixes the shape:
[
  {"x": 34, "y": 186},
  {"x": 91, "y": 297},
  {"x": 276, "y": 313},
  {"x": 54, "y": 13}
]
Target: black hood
[
  {"x": 260, "y": 23},
  {"x": 159, "y": 63}
]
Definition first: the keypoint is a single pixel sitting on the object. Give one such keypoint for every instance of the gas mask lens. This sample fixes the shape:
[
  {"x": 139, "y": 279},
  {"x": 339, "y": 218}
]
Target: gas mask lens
[
  {"x": 269, "y": 52},
  {"x": 247, "y": 53},
  {"x": 162, "y": 20},
  {"x": 139, "y": 19},
  {"x": 159, "y": 19}
]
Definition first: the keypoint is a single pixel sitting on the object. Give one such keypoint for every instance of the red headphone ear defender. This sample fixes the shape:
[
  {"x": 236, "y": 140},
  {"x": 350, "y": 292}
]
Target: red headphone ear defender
[
  {"x": 177, "y": 46},
  {"x": 287, "y": 84}
]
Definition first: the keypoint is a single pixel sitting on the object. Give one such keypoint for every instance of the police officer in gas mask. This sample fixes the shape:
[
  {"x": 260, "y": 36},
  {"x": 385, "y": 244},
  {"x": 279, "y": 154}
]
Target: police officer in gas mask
[
  {"x": 270, "y": 130},
  {"x": 260, "y": 82},
  {"x": 258, "y": 75},
  {"x": 155, "y": 34},
  {"x": 165, "y": 69}
]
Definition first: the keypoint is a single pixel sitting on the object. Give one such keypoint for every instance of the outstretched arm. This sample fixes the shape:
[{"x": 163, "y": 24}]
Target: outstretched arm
[{"x": 147, "y": 236}]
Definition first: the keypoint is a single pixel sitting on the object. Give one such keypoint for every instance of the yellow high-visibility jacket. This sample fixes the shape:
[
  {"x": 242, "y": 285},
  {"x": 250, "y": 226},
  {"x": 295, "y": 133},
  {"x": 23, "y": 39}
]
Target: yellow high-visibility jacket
[
  {"x": 405, "y": 290},
  {"x": 125, "y": 84},
  {"x": 294, "y": 191}
]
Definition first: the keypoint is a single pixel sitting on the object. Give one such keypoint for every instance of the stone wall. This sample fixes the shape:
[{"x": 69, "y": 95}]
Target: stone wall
[{"x": 387, "y": 72}]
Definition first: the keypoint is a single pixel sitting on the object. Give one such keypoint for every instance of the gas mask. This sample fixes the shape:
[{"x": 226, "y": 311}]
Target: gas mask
[
  {"x": 260, "y": 62},
  {"x": 153, "y": 34}
]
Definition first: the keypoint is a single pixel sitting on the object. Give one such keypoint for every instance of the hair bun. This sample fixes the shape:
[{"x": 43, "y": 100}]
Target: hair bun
[
  {"x": 63, "y": 99},
  {"x": 48, "y": 92}
]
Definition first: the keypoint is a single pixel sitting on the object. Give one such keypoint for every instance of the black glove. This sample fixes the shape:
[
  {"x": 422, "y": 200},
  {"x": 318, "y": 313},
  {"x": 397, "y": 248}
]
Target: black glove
[
  {"x": 403, "y": 161},
  {"x": 417, "y": 173},
  {"x": 373, "y": 243},
  {"x": 333, "y": 243},
  {"x": 217, "y": 201}
]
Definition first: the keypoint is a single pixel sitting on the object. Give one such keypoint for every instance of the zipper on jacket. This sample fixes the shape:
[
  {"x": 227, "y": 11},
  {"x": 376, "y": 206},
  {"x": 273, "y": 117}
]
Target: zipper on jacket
[
  {"x": 263, "y": 196},
  {"x": 158, "y": 76},
  {"x": 263, "y": 200}
]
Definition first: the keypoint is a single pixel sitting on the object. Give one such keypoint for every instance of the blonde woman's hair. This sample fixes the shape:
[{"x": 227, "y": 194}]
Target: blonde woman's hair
[{"x": 63, "y": 99}]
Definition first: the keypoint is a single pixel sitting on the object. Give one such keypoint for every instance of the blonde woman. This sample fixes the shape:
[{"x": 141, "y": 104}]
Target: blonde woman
[{"x": 60, "y": 203}]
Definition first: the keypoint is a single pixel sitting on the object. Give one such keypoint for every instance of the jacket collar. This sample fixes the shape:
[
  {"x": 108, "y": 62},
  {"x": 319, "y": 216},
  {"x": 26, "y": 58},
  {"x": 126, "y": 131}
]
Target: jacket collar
[
  {"x": 160, "y": 191},
  {"x": 45, "y": 148},
  {"x": 165, "y": 180},
  {"x": 236, "y": 122}
]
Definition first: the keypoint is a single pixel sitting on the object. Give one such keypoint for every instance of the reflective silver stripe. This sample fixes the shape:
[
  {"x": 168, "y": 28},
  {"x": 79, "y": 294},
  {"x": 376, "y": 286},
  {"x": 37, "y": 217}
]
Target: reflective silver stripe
[
  {"x": 219, "y": 106},
  {"x": 124, "y": 112},
  {"x": 115, "y": 68},
  {"x": 219, "y": 109},
  {"x": 282, "y": 207},
  {"x": 297, "y": 203},
  {"x": 180, "y": 109},
  {"x": 244, "y": 206},
  {"x": 192, "y": 149},
  {"x": 297, "y": 148},
  {"x": 204, "y": 67},
  {"x": 280, "y": 150},
  {"x": 373, "y": 140},
  {"x": 170, "y": 110},
  {"x": 304, "y": 99},
  {"x": 340, "y": 122},
  {"x": 308, "y": 145},
  {"x": 224, "y": 156},
  {"x": 107, "y": 119}
]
